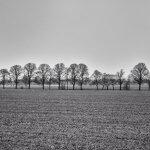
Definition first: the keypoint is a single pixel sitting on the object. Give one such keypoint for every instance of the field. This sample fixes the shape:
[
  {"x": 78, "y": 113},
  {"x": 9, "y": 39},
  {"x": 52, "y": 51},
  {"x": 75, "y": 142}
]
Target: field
[{"x": 74, "y": 120}]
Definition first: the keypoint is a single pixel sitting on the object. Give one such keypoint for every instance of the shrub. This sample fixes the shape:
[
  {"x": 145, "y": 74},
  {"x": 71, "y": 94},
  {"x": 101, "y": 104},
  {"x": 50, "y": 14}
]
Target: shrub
[
  {"x": 62, "y": 87},
  {"x": 126, "y": 86},
  {"x": 21, "y": 87}
]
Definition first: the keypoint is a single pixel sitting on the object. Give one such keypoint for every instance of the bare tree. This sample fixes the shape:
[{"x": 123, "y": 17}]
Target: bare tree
[
  {"x": 120, "y": 78},
  {"x": 42, "y": 72},
  {"x": 29, "y": 71},
  {"x": 83, "y": 74},
  {"x": 139, "y": 73},
  {"x": 73, "y": 70},
  {"x": 113, "y": 81},
  {"x": 59, "y": 71},
  {"x": 96, "y": 76},
  {"x": 105, "y": 81},
  {"x": 16, "y": 71},
  {"x": 50, "y": 76},
  {"x": 67, "y": 76},
  {"x": 4, "y": 74}
]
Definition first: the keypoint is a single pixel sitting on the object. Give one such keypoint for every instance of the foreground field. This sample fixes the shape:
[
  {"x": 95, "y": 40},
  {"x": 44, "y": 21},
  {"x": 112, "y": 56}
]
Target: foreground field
[{"x": 74, "y": 120}]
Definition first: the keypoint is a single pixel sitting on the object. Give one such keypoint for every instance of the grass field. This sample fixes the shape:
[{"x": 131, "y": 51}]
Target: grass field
[{"x": 74, "y": 120}]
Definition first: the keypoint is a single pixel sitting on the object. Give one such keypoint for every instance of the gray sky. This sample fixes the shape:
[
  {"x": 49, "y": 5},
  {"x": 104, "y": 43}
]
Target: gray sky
[{"x": 107, "y": 35}]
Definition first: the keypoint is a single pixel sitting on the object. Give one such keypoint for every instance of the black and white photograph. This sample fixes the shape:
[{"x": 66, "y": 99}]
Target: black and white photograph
[{"x": 74, "y": 74}]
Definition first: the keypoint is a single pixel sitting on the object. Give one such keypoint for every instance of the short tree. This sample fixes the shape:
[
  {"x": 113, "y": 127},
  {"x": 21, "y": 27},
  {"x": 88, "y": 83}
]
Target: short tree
[
  {"x": 129, "y": 81},
  {"x": 59, "y": 71},
  {"x": 37, "y": 80},
  {"x": 120, "y": 78},
  {"x": 42, "y": 72},
  {"x": 10, "y": 81},
  {"x": 105, "y": 81},
  {"x": 139, "y": 73},
  {"x": 82, "y": 74},
  {"x": 25, "y": 80},
  {"x": 16, "y": 72},
  {"x": 50, "y": 77},
  {"x": 95, "y": 78},
  {"x": 30, "y": 72},
  {"x": 73, "y": 71},
  {"x": 4, "y": 74},
  {"x": 113, "y": 81},
  {"x": 108, "y": 80},
  {"x": 67, "y": 76}
]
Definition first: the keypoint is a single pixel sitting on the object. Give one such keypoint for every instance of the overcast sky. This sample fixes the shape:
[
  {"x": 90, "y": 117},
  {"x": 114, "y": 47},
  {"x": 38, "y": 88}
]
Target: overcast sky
[{"x": 107, "y": 35}]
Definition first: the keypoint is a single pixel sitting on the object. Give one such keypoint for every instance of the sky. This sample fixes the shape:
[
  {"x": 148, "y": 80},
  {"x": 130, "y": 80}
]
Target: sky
[{"x": 106, "y": 35}]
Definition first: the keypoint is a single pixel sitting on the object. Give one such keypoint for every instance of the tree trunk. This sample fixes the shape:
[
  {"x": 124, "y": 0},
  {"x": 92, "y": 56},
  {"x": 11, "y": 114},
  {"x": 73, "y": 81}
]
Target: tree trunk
[
  {"x": 59, "y": 83},
  {"x": 3, "y": 84},
  {"x": 113, "y": 87},
  {"x": 120, "y": 87},
  {"x": 97, "y": 87},
  {"x": 81, "y": 82},
  {"x": 16, "y": 82},
  {"x": 67, "y": 83},
  {"x": 107, "y": 87},
  {"x": 81, "y": 87},
  {"x": 73, "y": 86},
  {"x": 43, "y": 81},
  {"x": 139, "y": 86},
  {"x": 29, "y": 83}
]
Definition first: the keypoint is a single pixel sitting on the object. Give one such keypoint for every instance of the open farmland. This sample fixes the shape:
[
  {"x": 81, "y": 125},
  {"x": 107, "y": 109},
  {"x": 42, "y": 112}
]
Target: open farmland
[{"x": 74, "y": 120}]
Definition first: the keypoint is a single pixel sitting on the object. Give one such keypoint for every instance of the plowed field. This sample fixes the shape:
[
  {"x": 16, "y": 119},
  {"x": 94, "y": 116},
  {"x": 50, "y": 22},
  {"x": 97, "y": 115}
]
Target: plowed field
[{"x": 74, "y": 120}]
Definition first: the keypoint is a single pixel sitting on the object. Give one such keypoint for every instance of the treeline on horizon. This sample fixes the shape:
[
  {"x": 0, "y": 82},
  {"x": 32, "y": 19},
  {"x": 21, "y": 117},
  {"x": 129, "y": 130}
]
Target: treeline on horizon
[{"x": 75, "y": 74}]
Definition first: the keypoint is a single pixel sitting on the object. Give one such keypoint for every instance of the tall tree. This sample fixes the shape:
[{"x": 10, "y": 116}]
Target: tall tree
[
  {"x": 139, "y": 73},
  {"x": 42, "y": 72},
  {"x": 96, "y": 76},
  {"x": 4, "y": 74},
  {"x": 15, "y": 73},
  {"x": 30, "y": 71},
  {"x": 83, "y": 74},
  {"x": 73, "y": 70},
  {"x": 59, "y": 71},
  {"x": 120, "y": 78}
]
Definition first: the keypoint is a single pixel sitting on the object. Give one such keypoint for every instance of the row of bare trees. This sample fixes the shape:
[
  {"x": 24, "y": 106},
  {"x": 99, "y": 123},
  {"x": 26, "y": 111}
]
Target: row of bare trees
[
  {"x": 139, "y": 74},
  {"x": 74, "y": 74},
  {"x": 59, "y": 74}
]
